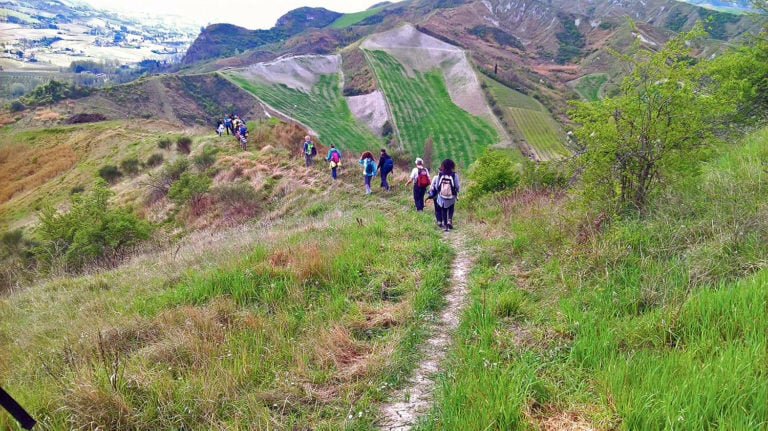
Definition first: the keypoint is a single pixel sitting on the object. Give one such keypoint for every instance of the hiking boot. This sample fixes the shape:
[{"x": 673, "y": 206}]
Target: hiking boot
[
  {"x": 440, "y": 225},
  {"x": 445, "y": 228},
  {"x": 449, "y": 224}
]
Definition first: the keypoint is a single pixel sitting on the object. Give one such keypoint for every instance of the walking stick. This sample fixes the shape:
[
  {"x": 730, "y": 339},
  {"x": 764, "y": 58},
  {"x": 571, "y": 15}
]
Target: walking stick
[{"x": 16, "y": 410}]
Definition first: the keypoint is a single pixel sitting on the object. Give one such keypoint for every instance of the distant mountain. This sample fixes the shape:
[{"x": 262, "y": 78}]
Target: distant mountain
[{"x": 223, "y": 40}]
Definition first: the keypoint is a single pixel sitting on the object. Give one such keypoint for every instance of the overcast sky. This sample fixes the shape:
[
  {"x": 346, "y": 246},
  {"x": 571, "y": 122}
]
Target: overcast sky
[{"x": 257, "y": 14}]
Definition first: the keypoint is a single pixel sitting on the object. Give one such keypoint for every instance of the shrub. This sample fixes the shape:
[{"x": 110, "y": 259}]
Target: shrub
[
  {"x": 164, "y": 143},
  {"x": 154, "y": 160},
  {"x": 17, "y": 106},
  {"x": 130, "y": 166},
  {"x": 189, "y": 188},
  {"x": 184, "y": 144},
  {"x": 206, "y": 158},
  {"x": 492, "y": 172},
  {"x": 110, "y": 173},
  {"x": 91, "y": 231},
  {"x": 544, "y": 175}
]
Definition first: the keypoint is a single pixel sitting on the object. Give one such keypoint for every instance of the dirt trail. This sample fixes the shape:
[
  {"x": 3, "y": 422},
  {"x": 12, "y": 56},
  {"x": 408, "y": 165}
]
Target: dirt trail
[{"x": 416, "y": 397}]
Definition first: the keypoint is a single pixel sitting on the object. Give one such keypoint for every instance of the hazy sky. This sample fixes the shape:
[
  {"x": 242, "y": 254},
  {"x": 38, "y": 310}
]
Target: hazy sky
[{"x": 257, "y": 14}]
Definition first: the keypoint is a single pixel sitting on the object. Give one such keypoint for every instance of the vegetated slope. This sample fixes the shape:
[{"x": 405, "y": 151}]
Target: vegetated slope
[
  {"x": 184, "y": 100},
  {"x": 43, "y": 166},
  {"x": 432, "y": 91},
  {"x": 306, "y": 88},
  {"x": 277, "y": 322},
  {"x": 224, "y": 40},
  {"x": 652, "y": 322}
]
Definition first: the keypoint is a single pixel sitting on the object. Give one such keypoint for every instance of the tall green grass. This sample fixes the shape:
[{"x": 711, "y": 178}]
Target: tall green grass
[
  {"x": 648, "y": 322},
  {"x": 422, "y": 108},
  {"x": 350, "y": 19}
]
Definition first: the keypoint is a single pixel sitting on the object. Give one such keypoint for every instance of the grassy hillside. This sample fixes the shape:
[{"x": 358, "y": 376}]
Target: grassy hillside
[
  {"x": 323, "y": 108},
  {"x": 422, "y": 108},
  {"x": 350, "y": 19},
  {"x": 654, "y": 322},
  {"x": 296, "y": 316}
]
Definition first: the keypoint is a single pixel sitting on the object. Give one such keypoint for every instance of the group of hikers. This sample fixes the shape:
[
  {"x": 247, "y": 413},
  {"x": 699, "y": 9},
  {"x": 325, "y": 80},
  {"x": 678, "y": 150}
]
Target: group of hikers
[
  {"x": 443, "y": 188},
  {"x": 234, "y": 124}
]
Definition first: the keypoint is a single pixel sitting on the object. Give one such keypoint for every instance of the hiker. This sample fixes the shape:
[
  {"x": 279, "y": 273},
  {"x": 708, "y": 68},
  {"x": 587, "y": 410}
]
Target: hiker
[
  {"x": 444, "y": 190},
  {"x": 228, "y": 124},
  {"x": 420, "y": 179},
  {"x": 334, "y": 157},
  {"x": 369, "y": 170},
  {"x": 386, "y": 166},
  {"x": 309, "y": 151},
  {"x": 220, "y": 127}
]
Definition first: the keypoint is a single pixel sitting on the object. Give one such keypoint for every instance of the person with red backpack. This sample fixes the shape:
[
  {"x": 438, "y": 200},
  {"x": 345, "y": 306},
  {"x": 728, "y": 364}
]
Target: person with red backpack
[
  {"x": 334, "y": 157},
  {"x": 445, "y": 189},
  {"x": 421, "y": 181}
]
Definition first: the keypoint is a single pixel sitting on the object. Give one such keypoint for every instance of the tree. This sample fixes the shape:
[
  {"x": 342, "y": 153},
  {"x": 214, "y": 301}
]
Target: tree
[{"x": 649, "y": 133}]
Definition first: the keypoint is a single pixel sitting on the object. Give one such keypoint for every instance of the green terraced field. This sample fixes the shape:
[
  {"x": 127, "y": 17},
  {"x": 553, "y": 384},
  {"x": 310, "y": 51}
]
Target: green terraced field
[
  {"x": 540, "y": 131},
  {"x": 422, "y": 107},
  {"x": 531, "y": 121},
  {"x": 324, "y": 109}
]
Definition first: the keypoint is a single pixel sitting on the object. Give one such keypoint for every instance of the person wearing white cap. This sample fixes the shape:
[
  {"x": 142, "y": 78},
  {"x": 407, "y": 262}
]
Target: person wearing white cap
[{"x": 420, "y": 179}]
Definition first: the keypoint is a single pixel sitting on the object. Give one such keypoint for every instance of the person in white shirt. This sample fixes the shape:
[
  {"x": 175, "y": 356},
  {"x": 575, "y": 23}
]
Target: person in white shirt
[{"x": 421, "y": 181}]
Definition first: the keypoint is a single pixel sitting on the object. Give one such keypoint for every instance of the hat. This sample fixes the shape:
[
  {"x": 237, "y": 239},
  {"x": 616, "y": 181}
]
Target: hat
[{"x": 419, "y": 161}]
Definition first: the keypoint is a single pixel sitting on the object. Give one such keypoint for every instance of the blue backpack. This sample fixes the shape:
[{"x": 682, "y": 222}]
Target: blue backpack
[
  {"x": 388, "y": 165},
  {"x": 370, "y": 168}
]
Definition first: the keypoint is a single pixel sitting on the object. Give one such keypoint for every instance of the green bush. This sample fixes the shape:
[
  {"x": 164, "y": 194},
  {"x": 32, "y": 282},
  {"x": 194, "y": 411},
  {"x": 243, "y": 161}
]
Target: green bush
[
  {"x": 184, "y": 144},
  {"x": 130, "y": 166},
  {"x": 542, "y": 175},
  {"x": 188, "y": 188},
  {"x": 164, "y": 143},
  {"x": 154, "y": 160},
  {"x": 206, "y": 158},
  {"x": 17, "y": 106},
  {"x": 110, "y": 173},
  {"x": 492, "y": 172},
  {"x": 91, "y": 232}
]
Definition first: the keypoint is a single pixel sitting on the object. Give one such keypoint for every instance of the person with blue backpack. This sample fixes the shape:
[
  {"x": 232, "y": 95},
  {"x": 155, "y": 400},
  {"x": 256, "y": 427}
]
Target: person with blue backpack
[
  {"x": 334, "y": 157},
  {"x": 369, "y": 170},
  {"x": 444, "y": 190},
  {"x": 386, "y": 166}
]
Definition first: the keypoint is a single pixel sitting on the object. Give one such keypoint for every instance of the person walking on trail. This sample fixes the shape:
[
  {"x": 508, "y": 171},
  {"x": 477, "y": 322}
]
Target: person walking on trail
[
  {"x": 334, "y": 158},
  {"x": 228, "y": 124},
  {"x": 220, "y": 127},
  {"x": 309, "y": 150},
  {"x": 369, "y": 170},
  {"x": 421, "y": 181},
  {"x": 445, "y": 189},
  {"x": 386, "y": 166}
]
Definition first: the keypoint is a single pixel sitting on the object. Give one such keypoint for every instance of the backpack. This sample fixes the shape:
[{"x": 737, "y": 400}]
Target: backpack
[
  {"x": 422, "y": 178},
  {"x": 310, "y": 148},
  {"x": 446, "y": 187},
  {"x": 370, "y": 168},
  {"x": 335, "y": 156},
  {"x": 388, "y": 165}
]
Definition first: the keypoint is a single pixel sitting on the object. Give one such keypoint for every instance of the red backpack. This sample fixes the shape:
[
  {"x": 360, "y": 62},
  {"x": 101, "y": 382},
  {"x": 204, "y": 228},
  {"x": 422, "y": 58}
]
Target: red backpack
[{"x": 422, "y": 178}]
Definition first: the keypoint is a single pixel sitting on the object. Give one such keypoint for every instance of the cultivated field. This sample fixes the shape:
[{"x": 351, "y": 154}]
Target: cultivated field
[
  {"x": 322, "y": 107},
  {"x": 422, "y": 108}
]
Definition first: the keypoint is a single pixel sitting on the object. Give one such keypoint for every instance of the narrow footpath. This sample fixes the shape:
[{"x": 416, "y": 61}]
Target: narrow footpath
[{"x": 415, "y": 398}]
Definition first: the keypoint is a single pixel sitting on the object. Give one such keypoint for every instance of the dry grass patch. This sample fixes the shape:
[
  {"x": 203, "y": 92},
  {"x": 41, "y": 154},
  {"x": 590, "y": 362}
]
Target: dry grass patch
[
  {"x": 307, "y": 262},
  {"x": 336, "y": 347},
  {"x": 552, "y": 420},
  {"x": 25, "y": 168}
]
